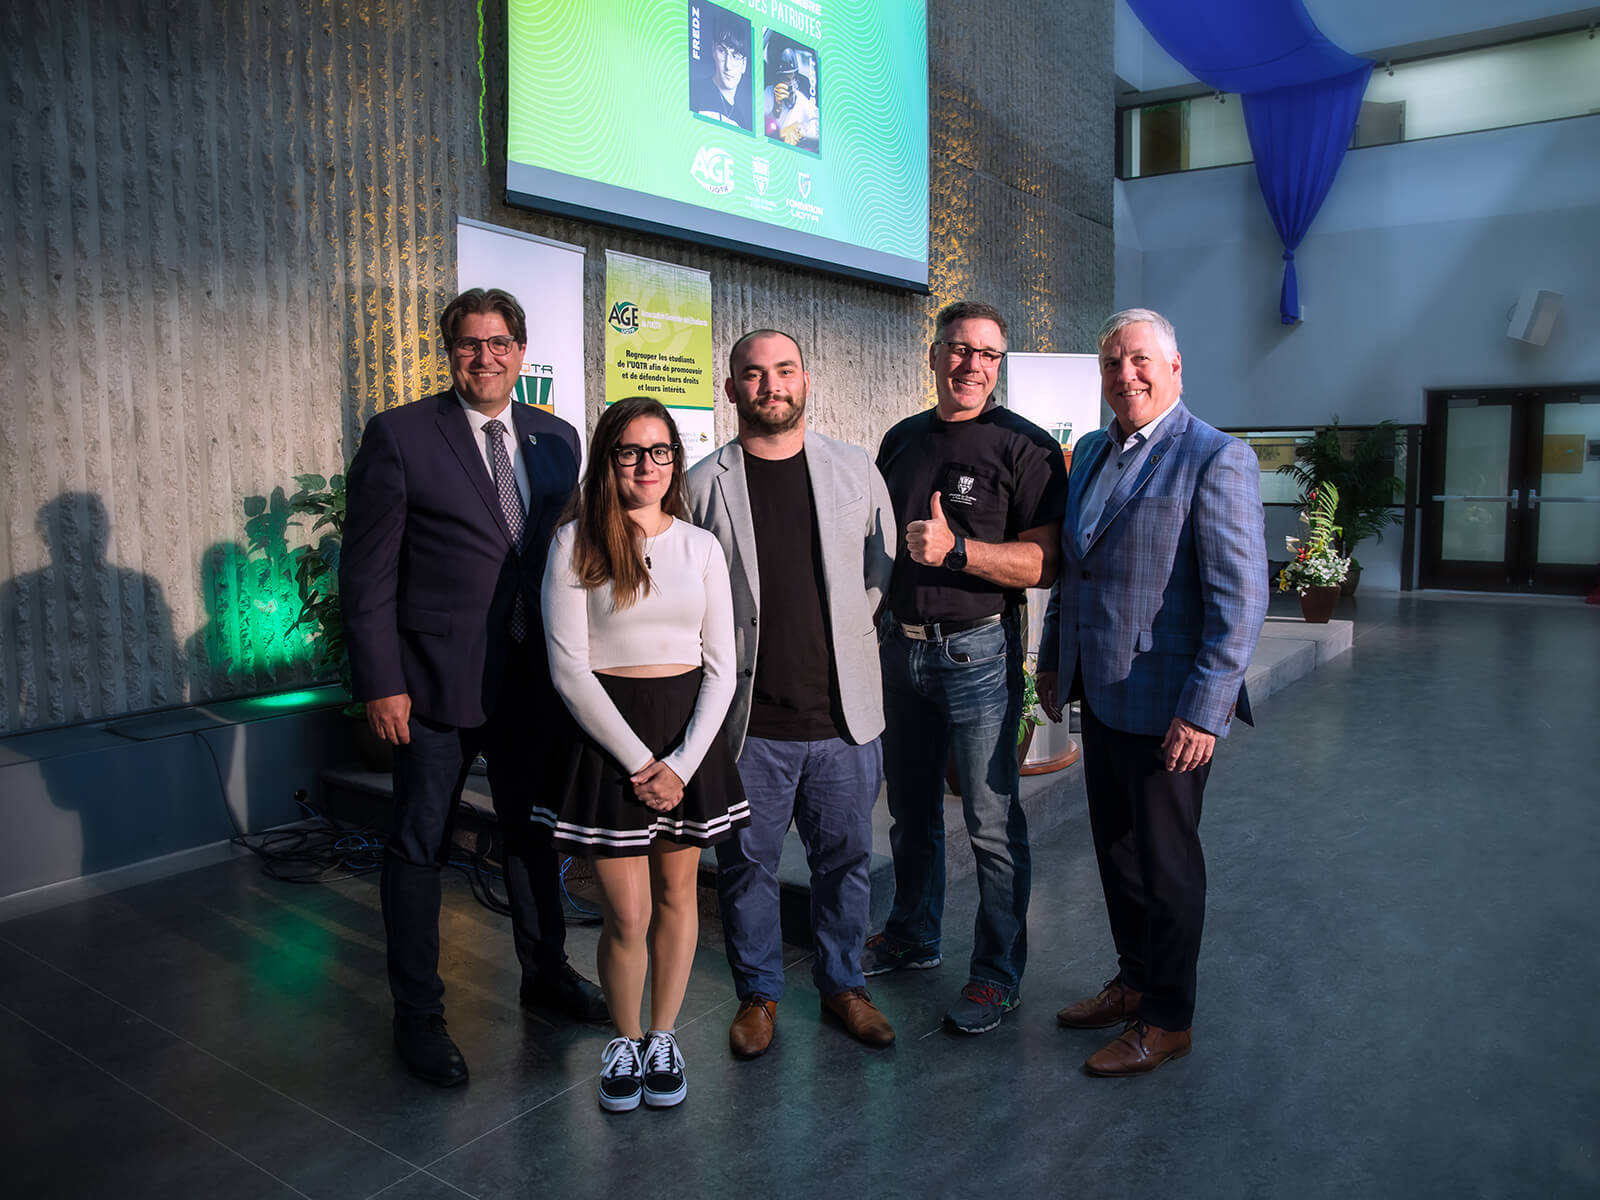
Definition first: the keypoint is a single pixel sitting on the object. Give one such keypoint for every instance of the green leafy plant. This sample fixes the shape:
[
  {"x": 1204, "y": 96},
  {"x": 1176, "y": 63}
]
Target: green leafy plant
[
  {"x": 1315, "y": 561},
  {"x": 314, "y": 567},
  {"x": 1363, "y": 480},
  {"x": 1030, "y": 706}
]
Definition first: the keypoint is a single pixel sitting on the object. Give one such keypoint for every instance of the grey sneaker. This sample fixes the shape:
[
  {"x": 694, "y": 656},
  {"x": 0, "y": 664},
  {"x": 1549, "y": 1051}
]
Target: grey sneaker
[
  {"x": 979, "y": 1008},
  {"x": 664, "y": 1084},
  {"x": 882, "y": 954},
  {"x": 621, "y": 1075}
]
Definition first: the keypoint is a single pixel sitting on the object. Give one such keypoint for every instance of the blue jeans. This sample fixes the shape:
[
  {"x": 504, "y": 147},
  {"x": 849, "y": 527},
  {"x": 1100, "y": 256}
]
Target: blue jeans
[
  {"x": 960, "y": 697},
  {"x": 828, "y": 789}
]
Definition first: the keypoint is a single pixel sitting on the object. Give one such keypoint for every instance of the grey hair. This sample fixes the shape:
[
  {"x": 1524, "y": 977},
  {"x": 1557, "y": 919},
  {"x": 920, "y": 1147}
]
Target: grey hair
[{"x": 1118, "y": 321}]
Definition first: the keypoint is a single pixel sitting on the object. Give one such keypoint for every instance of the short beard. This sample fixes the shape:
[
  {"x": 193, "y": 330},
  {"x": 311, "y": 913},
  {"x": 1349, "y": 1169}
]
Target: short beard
[{"x": 763, "y": 422}]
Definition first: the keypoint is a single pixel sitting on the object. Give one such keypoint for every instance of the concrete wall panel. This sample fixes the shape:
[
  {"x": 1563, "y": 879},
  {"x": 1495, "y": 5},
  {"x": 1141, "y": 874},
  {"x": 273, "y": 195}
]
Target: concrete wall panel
[{"x": 226, "y": 233}]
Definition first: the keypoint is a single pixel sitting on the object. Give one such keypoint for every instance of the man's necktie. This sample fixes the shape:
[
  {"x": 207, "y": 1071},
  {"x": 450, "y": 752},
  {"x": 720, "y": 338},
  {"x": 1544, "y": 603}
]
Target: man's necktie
[{"x": 505, "y": 486}]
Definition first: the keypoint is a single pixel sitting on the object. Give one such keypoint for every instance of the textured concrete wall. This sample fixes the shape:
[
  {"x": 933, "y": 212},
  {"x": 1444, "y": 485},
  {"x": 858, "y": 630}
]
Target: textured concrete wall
[{"x": 225, "y": 231}]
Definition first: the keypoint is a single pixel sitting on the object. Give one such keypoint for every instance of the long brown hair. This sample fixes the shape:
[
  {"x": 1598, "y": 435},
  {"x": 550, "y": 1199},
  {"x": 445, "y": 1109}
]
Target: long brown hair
[{"x": 606, "y": 546}]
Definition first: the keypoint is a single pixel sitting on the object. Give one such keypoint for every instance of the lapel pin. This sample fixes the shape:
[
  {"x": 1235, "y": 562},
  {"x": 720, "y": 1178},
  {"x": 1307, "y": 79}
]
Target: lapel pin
[{"x": 533, "y": 439}]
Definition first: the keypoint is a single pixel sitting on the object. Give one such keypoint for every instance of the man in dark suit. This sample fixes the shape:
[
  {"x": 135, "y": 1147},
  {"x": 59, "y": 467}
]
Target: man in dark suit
[
  {"x": 1160, "y": 600},
  {"x": 452, "y": 501}
]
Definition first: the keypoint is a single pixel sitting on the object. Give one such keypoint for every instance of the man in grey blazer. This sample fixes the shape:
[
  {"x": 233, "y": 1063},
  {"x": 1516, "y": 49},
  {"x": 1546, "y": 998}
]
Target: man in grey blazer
[{"x": 808, "y": 529}]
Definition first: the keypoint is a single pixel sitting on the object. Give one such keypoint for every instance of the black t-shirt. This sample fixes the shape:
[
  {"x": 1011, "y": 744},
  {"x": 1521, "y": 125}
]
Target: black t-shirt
[
  {"x": 997, "y": 474},
  {"x": 796, "y": 692}
]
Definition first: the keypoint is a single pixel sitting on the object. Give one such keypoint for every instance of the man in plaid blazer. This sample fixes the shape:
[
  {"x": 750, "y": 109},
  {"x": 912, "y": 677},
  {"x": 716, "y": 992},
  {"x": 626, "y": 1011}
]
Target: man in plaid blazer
[{"x": 1160, "y": 600}]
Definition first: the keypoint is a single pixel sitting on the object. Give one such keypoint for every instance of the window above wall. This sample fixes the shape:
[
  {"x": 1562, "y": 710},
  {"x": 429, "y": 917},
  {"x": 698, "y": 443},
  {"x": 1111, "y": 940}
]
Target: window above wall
[{"x": 1545, "y": 78}]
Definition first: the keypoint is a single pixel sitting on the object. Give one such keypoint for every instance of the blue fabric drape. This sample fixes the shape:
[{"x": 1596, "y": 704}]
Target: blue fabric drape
[
  {"x": 1301, "y": 93},
  {"x": 1298, "y": 136}
]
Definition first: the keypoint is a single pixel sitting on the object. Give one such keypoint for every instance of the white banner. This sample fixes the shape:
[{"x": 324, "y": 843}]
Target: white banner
[
  {"x": 547, "y": 279},
  {"x": 1060, "y": 393}
]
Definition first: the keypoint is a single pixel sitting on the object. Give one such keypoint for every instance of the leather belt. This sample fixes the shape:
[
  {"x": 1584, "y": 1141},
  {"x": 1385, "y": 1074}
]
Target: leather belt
[{"x": 938, "y": 631}]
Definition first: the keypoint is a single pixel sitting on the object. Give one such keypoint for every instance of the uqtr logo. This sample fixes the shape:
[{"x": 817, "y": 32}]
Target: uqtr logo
[
  {"x": 713, "y": 170},
  {"x": 624, "y": 316}
]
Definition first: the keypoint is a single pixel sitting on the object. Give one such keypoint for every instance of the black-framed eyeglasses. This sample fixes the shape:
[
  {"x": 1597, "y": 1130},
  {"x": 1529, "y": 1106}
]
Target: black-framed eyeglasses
[
  {"x": 500, "y": 344},
  {"x": 661, "y": 454},
  {"x": 988, "y": 358}
]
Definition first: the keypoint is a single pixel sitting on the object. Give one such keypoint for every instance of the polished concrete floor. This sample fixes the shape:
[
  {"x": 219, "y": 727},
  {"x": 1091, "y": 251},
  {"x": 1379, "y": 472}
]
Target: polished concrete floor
[{"x": 1400, "y": 954}]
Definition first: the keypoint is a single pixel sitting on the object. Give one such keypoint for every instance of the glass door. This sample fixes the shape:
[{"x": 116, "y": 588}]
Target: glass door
[
  {"x": 1563, "y": 471},
  {"x": 1512, "y": 499}
]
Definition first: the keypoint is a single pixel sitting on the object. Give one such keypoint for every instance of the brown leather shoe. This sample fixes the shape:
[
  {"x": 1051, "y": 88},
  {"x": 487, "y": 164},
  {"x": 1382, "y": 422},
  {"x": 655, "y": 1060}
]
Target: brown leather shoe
[
  {"x": 753, "y": 1027},
  {"x": 1141, "y": 1049},
  {"x": 1114, "y": 1005},
  {"x": 861, "y": 1019}
]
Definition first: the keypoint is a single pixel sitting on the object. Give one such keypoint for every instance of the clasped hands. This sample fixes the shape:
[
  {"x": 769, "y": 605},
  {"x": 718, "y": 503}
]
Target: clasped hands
[{"x": 657, "y": 786}]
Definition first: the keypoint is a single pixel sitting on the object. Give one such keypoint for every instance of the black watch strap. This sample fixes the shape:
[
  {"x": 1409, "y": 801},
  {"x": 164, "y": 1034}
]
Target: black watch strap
[{"x": 956, "y": 560}]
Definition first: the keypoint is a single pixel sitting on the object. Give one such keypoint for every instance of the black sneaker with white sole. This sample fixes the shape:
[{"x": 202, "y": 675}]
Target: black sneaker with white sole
[
  {"x": 664, "y": 1084},
  {"x": 621, "y": 1075}
]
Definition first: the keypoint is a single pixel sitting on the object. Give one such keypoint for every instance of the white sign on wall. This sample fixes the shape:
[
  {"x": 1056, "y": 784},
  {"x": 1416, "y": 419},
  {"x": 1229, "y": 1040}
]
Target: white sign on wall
[
  {"x": 546, "y": 277},
  {"x": 1060, "y": 393}
]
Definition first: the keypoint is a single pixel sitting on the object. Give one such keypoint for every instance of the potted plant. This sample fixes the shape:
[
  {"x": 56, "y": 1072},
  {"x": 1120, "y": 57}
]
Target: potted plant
[
  {"x": 315, "y": 570},
  {"x": 1364, "y": 479},
  {"x": 1316, "y": 568}
]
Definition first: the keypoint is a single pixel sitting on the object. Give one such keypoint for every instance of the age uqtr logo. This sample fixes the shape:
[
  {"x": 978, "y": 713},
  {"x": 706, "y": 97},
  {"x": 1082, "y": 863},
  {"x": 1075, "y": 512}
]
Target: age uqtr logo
[
  {"x": 713, "y": 169},
  {"x": 624, "y": 316}
]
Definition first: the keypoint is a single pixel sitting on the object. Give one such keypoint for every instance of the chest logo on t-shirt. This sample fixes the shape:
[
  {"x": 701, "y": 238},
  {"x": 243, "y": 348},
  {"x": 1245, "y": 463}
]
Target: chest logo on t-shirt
[{"x": 963, "y": 490}]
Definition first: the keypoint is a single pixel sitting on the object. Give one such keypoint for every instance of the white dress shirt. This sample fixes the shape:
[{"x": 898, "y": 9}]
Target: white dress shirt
[
  {"x": 1119, "y": 460},
  {"x": 519, "y": 467}
]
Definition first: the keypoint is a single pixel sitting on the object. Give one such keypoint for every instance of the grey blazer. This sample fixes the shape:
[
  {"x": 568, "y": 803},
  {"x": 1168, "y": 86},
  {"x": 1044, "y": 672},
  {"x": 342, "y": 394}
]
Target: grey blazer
[{"x": 855, "y": 522}]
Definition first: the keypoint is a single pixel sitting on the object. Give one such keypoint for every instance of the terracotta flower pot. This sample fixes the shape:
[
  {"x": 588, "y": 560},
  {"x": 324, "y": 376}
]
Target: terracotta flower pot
[{"x": 1316, "y": 604}]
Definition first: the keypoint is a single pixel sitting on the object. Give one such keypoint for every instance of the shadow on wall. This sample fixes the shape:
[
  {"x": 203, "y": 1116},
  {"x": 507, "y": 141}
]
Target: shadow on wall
[{"x": 82, "y": 636}]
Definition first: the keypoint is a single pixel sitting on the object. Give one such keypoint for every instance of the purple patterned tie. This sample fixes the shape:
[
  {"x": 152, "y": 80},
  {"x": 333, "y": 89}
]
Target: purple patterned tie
[{"x": 505, "y": 486}]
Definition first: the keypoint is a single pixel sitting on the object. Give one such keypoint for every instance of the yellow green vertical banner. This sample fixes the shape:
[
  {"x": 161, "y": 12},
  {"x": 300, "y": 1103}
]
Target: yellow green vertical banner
[{"x": 658, "y": 332}]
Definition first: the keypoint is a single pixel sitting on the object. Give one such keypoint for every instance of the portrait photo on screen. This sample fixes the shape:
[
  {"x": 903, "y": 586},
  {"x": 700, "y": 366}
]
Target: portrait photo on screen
[
  {"x": 790, "y": 101},
  {"x": 719, "y": 66}
]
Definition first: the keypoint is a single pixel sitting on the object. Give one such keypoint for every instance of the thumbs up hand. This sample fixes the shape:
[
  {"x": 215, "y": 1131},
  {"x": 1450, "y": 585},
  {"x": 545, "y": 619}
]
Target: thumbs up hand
[{"x": 929, "y": 541}]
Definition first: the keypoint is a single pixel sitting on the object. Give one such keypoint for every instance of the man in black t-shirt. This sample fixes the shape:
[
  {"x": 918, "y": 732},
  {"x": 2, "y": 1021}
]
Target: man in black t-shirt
[
  {"x": 979, "y": 493},
  {"x": 807, "y": 528}
]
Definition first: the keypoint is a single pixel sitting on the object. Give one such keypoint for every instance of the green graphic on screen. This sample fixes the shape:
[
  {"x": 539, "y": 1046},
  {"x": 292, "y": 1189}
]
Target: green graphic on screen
[{"x": 797, "y": 130}]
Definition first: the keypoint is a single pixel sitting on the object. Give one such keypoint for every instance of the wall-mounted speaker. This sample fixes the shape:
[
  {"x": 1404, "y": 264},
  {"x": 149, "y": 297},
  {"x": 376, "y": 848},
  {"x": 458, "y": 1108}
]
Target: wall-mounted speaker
[{"x": 1534, "y": 316}]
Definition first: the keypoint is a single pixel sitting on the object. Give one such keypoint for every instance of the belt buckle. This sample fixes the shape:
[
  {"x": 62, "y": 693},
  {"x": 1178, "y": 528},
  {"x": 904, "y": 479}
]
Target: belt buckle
[{"x": 919, "y": 633}]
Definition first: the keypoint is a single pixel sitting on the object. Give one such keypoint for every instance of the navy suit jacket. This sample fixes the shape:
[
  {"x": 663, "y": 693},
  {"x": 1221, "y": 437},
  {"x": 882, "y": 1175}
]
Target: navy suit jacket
[
  {"x": 1163, "y": 609},
  {"x": 428, "y": 571}
]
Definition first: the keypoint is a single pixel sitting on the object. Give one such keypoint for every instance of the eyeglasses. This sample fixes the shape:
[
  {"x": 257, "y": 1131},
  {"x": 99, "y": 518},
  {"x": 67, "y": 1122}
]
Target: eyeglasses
[
  {"x": 468, "y": 346},
  {"x": 661, "y": 454},
  {"x": 988, "y": 358}
]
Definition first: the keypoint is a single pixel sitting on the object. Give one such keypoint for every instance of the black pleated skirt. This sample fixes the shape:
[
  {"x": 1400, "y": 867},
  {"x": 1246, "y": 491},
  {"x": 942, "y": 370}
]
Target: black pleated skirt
[{"x": 596, "y": 812}]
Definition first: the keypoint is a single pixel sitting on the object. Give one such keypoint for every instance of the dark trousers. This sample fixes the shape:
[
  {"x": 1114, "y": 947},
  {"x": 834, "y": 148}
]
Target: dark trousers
[
  {"x": 1146, "y": 823},
  {"x": 428, "y": 777}
]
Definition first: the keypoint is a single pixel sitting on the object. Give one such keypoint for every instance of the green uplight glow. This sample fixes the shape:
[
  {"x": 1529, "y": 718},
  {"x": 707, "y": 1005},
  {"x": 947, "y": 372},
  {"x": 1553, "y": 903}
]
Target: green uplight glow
[{"x": 304, "y": 698}]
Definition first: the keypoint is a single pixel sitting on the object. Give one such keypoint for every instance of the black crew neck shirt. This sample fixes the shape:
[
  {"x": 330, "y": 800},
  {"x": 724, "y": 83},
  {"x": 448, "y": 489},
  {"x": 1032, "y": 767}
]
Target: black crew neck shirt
[
  {"x": 796, "y": 689},
  {"x": 997, "y": 474}
]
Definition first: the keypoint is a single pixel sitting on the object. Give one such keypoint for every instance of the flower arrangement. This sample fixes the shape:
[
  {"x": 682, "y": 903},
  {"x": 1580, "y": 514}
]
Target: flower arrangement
[{"x": 1315, "y": 562}]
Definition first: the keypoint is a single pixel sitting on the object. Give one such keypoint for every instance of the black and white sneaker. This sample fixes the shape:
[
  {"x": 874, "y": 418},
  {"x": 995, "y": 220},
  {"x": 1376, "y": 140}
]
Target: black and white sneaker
[
  {"x": 621, "y": 1075},
  {"x": 664, "y": 1084}
]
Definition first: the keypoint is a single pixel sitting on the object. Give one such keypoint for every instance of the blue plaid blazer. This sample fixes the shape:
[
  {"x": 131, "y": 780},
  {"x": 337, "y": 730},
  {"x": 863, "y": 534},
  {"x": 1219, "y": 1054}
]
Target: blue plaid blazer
[{"x": 1163, "y": 609}]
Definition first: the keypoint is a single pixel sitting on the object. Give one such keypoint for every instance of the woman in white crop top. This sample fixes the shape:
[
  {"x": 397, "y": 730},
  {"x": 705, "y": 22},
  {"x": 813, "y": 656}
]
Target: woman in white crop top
[{"x": 639, "y": 625}]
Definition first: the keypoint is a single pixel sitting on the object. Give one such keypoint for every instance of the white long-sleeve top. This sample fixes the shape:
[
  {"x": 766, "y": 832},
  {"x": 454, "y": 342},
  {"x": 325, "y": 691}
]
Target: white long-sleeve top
[{"x": 686, "y": 618}]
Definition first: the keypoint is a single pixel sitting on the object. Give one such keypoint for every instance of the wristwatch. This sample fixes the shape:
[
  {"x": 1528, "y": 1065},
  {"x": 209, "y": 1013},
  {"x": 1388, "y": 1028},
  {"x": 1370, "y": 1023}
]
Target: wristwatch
[{"x": 956, "y": 560}]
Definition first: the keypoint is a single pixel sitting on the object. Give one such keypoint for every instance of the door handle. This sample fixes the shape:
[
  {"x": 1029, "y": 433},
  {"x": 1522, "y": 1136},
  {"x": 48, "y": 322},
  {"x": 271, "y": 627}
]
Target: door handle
[{"x": 1511, "y": 499}]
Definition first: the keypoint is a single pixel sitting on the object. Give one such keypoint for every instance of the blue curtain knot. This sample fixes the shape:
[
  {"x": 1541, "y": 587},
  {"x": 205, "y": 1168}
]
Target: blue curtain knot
[{"x": 1288, "y": 256}]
